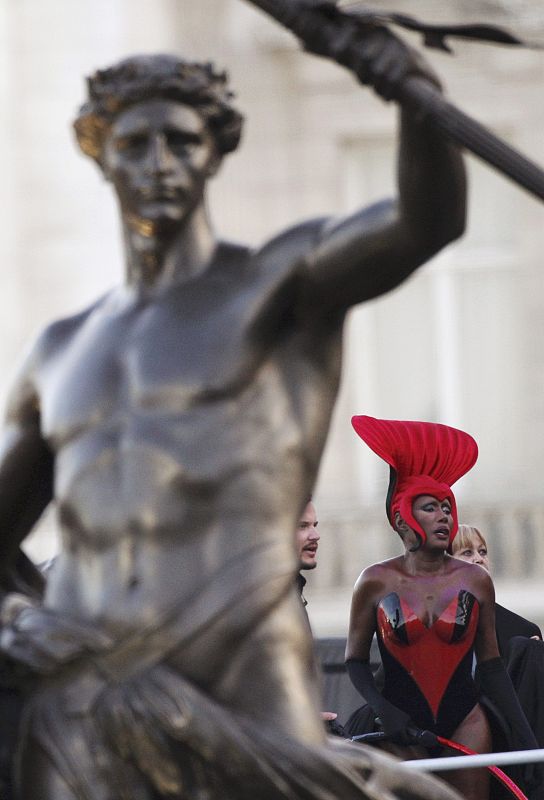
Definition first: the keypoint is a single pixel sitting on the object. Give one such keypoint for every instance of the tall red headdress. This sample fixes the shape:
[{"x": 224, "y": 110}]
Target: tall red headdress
[{"x": 424, "y": 458}]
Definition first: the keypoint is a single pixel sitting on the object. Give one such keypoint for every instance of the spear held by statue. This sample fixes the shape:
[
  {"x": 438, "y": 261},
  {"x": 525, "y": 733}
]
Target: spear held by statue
[{"x": 325, "y": 29}]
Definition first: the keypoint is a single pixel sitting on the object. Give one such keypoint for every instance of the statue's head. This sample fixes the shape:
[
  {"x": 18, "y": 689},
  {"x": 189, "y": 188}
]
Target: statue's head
[
  {"x": 141, "y": 78},
  {"x": 158, "y": 127}
]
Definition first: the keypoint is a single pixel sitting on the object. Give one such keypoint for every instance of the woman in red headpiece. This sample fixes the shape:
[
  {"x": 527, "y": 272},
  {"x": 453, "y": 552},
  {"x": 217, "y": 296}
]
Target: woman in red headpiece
[{"x": 430, "y": 611}]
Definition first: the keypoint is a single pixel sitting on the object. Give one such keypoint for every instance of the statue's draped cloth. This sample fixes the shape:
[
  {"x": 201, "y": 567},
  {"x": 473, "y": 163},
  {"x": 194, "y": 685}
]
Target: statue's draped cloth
[{"x": 126, "y": 725}]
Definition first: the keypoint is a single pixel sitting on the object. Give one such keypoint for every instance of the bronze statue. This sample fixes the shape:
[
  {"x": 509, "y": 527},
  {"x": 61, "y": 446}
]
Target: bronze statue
[{"x": 177, "y": 423}]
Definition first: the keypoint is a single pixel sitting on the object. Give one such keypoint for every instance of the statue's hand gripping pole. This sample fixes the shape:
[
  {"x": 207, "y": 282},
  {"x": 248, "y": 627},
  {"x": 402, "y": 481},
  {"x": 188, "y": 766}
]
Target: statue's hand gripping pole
[{"x": 326, "y": 30}]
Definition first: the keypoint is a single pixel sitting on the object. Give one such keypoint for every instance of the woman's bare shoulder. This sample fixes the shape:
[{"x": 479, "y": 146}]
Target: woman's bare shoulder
[
  {"x": 379, "y": 573},
  {"x": 474, "y": 576},
  {"x": 465, "y": 567}
]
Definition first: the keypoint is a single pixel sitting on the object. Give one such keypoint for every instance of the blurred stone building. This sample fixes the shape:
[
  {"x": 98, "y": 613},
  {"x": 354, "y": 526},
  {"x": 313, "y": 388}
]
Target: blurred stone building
[{"x": 460, "y": 343}]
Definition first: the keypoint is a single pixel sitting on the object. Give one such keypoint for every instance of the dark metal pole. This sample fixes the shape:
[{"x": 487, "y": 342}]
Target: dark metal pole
[
  {"x": 307, "y": 19},
  {"x": 468, "y": 133}
]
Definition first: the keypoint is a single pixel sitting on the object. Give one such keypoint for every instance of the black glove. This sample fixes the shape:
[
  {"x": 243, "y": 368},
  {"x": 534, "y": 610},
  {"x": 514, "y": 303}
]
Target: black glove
[
  {"x": 495, "y": 683},
  {"x": 396, "y": 724},
  {"x": 334, "y": 728}
]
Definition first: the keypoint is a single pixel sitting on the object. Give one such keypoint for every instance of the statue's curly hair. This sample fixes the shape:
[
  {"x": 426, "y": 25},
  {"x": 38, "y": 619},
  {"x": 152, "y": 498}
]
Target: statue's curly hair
[{"x": 139, "y": 78}]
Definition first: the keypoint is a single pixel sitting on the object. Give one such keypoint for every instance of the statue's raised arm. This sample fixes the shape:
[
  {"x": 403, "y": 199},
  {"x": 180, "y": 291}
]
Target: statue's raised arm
[{"x": 376, "y": 248}]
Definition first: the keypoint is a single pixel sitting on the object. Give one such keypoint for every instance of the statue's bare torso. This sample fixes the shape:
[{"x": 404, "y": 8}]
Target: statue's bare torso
[{"x": 182, "y": 443}]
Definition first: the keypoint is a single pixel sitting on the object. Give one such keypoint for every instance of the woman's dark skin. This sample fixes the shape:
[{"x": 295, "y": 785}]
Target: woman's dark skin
[{"x": 428, "y": 579}]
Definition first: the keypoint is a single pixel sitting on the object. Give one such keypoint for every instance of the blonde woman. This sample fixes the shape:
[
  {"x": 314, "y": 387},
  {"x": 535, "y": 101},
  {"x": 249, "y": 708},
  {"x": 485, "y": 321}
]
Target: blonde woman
[{"x": 470, "y": 545}]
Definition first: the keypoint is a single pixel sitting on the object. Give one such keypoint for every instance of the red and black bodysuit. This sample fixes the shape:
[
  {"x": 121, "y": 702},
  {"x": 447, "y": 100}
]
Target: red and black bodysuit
[{"x": 428, "y": 670}]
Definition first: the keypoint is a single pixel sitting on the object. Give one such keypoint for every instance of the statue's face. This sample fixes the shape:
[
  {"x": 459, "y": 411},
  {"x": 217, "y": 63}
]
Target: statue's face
[{"x": 158, "y": 155}]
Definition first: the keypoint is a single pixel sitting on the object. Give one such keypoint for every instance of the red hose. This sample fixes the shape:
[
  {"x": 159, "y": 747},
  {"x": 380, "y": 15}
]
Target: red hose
[{"x": 498, "y": 773}]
